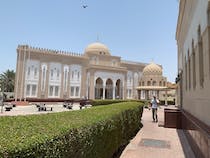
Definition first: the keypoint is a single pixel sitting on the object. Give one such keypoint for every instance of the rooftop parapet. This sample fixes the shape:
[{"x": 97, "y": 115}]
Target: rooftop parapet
[{"x": 48, "y": 51}]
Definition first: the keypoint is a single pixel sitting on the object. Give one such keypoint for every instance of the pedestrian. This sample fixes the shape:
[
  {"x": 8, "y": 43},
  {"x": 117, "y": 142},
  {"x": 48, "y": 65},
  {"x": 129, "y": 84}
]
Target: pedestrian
[{"x": 154, "y": 103}]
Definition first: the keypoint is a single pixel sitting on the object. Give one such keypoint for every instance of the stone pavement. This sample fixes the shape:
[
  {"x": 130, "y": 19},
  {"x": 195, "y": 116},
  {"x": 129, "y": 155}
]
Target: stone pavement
[
  {"x": 154, "y": 141},
  {"x": 32, "y": 109}
]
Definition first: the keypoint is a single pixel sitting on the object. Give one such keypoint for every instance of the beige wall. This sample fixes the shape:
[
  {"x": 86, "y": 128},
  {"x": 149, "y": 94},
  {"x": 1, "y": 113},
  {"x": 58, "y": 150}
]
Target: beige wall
[
  {"x": 196, "y": 100},
  {"x": 44, "y": 56}
]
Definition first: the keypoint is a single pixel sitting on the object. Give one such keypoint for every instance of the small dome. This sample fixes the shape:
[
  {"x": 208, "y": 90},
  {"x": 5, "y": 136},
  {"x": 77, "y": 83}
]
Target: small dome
[
  {"x": 152, "y": 69},
  {"x": 97, "y": 48}
]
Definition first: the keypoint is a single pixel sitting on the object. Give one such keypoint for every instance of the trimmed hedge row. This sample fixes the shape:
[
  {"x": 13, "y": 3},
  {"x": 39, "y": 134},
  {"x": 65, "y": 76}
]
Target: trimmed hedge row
[
  {"x": 107, "y": 102},
  {"x": 95, "y": 132}
]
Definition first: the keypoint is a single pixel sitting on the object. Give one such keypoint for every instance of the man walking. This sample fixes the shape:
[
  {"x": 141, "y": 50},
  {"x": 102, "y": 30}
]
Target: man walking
[{"x": 154, "y": 103}]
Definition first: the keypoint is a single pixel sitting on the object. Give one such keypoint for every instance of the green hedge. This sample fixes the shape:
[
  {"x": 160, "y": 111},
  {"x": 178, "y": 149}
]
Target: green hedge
[
  {"x": 94, "y": 132},
  {"x": 107, "y": 102}
]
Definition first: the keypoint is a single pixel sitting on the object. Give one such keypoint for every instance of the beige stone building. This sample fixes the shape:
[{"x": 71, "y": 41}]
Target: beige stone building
[
  {"x": 152, "y": 82},
  {"x": 193, "y": 41},
  {"x": 96, "y": 74}
]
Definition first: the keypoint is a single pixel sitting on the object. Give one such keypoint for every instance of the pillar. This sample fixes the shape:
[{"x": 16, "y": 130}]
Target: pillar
[
  {"x": 113, "y": 94},
  {"x": 166, "y": 95}
]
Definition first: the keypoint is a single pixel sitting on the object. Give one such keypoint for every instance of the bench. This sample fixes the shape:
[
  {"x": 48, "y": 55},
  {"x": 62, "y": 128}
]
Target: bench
[
  {"x": 43, "y": 107},
  {"x": 8, "y": 108},
  {"x": 84, "y": 103},
  {"x": 68, "y": 104}
]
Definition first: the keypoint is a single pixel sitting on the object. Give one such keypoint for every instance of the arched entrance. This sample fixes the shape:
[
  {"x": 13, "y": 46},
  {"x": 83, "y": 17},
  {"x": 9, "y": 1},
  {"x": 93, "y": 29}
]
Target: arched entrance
[
  {"x": 118, "y": 90},
  {"x": 109, "y": 89},
  {"x": 99, "y": 88}
]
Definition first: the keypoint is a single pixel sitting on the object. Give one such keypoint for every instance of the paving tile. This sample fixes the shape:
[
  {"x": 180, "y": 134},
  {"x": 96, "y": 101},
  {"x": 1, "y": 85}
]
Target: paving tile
[{"x": 153, "y": 140}]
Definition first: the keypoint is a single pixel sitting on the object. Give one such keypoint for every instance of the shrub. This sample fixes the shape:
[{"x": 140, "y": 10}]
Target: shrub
[
  {"x": 107, "y": 102},
  {"x": 95, "y": 132}
]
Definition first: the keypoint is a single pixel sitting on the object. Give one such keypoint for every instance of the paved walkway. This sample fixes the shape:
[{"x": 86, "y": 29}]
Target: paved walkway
[
  {"x": 154, "y": 141},
  {"x": 32, "y": 109}
]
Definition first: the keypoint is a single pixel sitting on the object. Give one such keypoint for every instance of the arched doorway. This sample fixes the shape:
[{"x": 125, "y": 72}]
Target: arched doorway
[
  {"x": 99, "y": 88},
  {"x": 118, "y": 90},
  {"x": 109, "y": 89}
]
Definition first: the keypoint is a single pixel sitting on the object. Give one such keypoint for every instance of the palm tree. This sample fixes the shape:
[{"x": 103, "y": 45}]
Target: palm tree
[{"x": 7, "y": 80}]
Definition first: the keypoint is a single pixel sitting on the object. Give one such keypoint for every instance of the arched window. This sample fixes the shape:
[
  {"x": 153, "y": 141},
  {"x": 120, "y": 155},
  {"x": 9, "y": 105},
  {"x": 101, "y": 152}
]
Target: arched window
[
  {"x": 148, "y": 83},
  {"x": 35, "y": 72},
  {"x": 193, "y": 64},
  {"x": 200, "y": 52},
  {"x": 29, "y": 71},
  {"x": 189, "y": 69},
  {"x": 185, "y": 73},
  {"x": 164, "y": 83}
]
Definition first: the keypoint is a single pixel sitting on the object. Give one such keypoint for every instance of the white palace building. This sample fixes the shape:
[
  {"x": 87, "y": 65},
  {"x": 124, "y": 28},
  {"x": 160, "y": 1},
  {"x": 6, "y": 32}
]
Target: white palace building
[{"x": 96, "y": 74}]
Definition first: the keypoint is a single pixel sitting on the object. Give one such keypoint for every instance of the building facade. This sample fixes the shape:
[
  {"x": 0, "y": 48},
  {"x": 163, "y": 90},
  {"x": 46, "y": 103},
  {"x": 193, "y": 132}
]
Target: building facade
[
  {"x": 96, "y": 74},
  {"x": 193, "y": 41},
  {"x": 152, "y": 82}
]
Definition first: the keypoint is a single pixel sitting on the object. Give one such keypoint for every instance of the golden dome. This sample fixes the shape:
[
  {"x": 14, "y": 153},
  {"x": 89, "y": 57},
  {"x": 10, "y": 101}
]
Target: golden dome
[
  {"x": 152, "y": 69},
  {"x": 97, "y": 48}
]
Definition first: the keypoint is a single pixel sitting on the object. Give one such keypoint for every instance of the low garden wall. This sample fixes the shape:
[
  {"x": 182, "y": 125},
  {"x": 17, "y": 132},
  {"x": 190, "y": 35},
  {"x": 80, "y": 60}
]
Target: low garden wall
[{"x": 94, "y": 132}]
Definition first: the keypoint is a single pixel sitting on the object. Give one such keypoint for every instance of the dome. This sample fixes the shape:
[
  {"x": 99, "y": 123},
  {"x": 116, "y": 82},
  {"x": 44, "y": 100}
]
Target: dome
[
  {"x": 97, "y": 48},
  {"x": 152, "y": 69}
]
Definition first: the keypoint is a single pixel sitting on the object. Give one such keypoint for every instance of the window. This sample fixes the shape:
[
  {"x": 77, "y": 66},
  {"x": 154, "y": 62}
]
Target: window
[
  {"x": 160, "y": 83},
  {"x": 189, "y": 69},
  {"x": 58, "y": 74},
  {"x": 51, "y": 74},
  {"x": 33, "y": 90},
  {"x": 185, "y": 73},
  {"x": 28, "y": 90},
  {"x": 200, "y": 52},
  {"x": 193, "y": 64},
  {"x": 35, "y": 72},
  {"x": 56, "y": 90},
  {"x": 29, "y": 71},
  {"x": 72, "y": 74},
  {"x": 148, "y": 83},
  {"x": 72, "y": 91},
  {"x": 154, "y": 83},
  {"x": 51, "y": 91},
  {"x": 164, "y": 83},
  {"x": 142, "y": 83},
  {"x": 78, "y": 75},
  {"x": 77, "y": 91}
]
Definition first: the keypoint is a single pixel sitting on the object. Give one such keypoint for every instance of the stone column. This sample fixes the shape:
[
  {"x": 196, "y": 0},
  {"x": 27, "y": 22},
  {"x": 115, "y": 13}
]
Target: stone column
[
  {"x": 62, "y": 92},
  {"x": 113, "y": 92},
  {"x": 147, "y": 94},
  {"x": 92, "y": 85},
  {"x": 104, "y": 88},
  {"x": 166, "y": 95}
]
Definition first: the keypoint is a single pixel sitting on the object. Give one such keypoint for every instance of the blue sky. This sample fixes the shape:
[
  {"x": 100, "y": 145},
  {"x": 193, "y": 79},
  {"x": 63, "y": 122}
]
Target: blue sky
[{"x": 136, "y": 30}]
